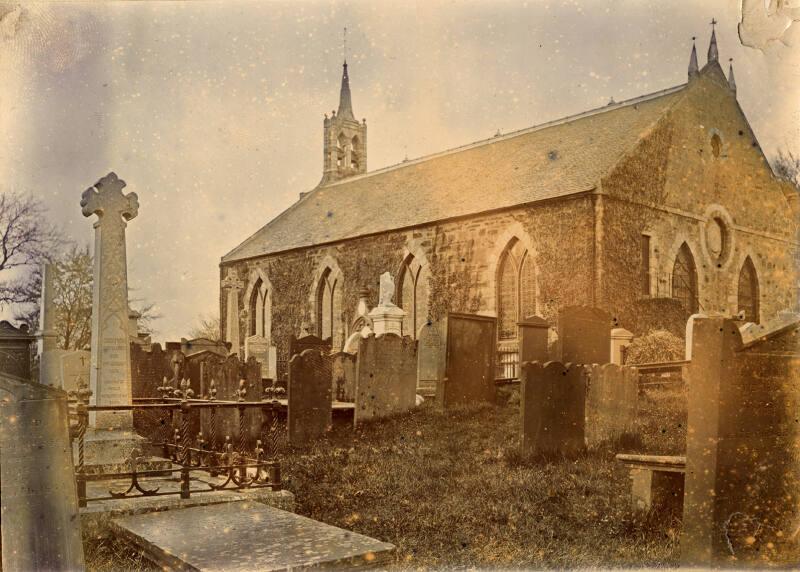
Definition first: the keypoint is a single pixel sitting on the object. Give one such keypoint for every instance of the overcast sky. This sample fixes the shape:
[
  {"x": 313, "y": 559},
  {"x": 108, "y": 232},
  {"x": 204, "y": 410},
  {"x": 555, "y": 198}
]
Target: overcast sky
[{"x": 212, "y": 112}]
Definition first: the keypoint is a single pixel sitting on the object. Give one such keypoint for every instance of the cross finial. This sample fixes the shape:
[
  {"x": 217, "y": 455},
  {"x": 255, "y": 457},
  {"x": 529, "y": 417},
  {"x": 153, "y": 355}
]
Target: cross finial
[
  {"x": 106, "y": 198},
  {"x": 713, "y": 23}
]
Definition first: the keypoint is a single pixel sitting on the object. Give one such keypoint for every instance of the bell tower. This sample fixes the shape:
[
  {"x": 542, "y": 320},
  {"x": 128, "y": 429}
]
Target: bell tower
[{"x": 345, "y": 145}]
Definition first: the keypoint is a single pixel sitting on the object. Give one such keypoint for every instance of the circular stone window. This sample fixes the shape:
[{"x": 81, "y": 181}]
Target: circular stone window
[{"x": 717, "y": 239}]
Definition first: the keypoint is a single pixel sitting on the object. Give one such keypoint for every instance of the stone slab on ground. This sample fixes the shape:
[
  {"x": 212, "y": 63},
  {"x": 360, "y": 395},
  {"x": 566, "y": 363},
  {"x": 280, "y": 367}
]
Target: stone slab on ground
[
  {"x": 97, "y": 516},
  {"x": 246, "y": 536}
]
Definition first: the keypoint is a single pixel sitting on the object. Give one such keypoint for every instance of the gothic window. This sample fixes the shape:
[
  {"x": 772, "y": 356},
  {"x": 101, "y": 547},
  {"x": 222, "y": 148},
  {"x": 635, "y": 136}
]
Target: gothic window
[
  {"x": 412, "y": 295},
  {"x": 355, "y": 151},
  {"x": 260, "y": 310},
  {"x": 327, "y": 311},
  {"x": 748, "y": 291},
  {"x": 716, "y": 145},
  {"x": 684, "y": 280},
  {"x": 516, "y": 289}
]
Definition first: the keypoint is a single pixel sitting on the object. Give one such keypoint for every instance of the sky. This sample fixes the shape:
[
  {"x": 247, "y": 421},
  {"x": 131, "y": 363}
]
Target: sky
[{"x": 212, "y": 111}]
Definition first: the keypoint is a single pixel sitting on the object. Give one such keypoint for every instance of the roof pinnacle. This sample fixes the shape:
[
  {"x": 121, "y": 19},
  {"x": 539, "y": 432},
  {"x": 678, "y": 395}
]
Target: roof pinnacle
[
  {"x": 731, "y": 79},
  {"x": 693, "y": 67},
  {"x": 713, "y": 53}
]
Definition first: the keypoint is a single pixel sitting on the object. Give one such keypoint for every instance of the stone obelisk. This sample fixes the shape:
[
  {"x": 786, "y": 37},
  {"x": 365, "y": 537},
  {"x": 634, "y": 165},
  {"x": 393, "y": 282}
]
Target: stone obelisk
[
  {"x": 49, "y": 354},
  {"x": 110, "y": 375}
]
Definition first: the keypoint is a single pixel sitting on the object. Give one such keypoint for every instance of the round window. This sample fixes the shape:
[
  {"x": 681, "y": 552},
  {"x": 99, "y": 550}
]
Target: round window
[{"x": 717, "y": 239}]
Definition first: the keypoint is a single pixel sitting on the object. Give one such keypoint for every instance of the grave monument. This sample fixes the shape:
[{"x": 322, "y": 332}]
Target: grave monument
[{"x": 387, "y": 318}]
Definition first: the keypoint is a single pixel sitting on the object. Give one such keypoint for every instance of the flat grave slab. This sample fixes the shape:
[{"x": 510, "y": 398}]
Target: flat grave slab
[{"x": 245, "y": 536}]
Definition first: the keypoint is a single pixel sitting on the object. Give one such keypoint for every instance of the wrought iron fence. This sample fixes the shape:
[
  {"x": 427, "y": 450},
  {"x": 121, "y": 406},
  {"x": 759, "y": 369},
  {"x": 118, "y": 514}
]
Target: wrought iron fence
[
  {"x": 242, "y": 463},
  {"x": 507, "y": 361}
]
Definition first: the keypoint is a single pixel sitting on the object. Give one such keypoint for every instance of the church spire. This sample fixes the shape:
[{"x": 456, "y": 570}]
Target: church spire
[
  {"x": 713, "y": 54},
  {"x": 693, "y": 67},
  {"x": 345, "y": 102},
  {"x": 731, "y": 79}
]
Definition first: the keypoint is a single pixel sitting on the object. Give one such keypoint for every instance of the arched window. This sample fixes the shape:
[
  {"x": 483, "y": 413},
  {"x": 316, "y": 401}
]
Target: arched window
[
  {"x": 412, "y": 295},
  {"x": 516, "y": 289},
  {"x": 684, "y": 279},
  {"x": 355, "y": 152},
  {"x": 343, "y": 143},
  {"x": 260, "y": 310},
  {"x": 716, "y": 145},
  {"x": 748, "y": 291},
  {"x": 327, "y": 306}
]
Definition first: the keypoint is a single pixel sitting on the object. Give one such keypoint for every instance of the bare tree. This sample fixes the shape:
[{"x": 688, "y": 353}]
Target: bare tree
[
  {"x": 26, "y": 240},
  {"x": 207, "y": 327},
  {"x": 786, "y": 166}
]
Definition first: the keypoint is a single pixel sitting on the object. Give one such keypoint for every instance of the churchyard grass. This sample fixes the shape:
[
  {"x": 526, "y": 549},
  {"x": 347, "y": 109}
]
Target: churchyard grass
[{"x": 453, "y": 488}]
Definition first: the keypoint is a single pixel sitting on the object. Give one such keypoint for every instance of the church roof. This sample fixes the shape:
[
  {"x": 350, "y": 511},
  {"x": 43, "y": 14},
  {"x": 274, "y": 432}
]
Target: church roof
[{"x": 551, "y": 160}]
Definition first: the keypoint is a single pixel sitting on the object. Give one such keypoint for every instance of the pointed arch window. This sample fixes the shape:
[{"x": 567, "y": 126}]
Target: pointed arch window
[
  {"x": 412, "y": 295},
  {"x": 516, "y": 289},
  {"x": 327, "y": 306},
  {"x": 748, "y": 295},
  {"x": 260, "y": 310},
  {"x": 684, "y": 279}
]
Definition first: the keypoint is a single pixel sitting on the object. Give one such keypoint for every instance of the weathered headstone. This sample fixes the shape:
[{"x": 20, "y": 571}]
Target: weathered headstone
[
  {"x": 258, "y": 348},
  {"x": 343, "y": 371},
  {"x": 584, "y": 335},
  {"x": 111, "y": 365},
  {"x": 620, "y": 340},
  {"x": 15, "y": 350},
  {"x": 38, "y": 498},
  {"x": 49, "y": 354},
  {"x": 611, "y": 402},
  {"x": 470, "y": 358},
  {"x": 309, "y": 396},
  {"x": 233, "y": 285},
  {"x": 430, "y": 357},
  {"x": 533, "y": 334},
  {"x": 386, "y": 376},
  {"x": 742, "y": 472},
  {"x": 74, "y": 365},
  {"x": 552, "y": 408}
]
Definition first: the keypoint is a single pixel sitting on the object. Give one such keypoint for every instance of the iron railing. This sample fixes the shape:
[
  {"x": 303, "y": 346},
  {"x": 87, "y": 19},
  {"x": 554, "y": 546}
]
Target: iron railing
[{"x": 247, "y": 464}]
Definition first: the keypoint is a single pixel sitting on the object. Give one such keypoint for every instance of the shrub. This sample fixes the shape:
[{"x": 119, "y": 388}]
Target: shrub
[{"x": 655, "y": 346}]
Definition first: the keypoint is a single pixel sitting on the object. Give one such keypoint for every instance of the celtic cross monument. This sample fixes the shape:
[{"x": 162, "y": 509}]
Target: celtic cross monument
[{"x": 111, "y": 359}]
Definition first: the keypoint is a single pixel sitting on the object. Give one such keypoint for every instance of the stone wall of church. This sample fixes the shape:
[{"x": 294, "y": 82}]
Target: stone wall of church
[
  {"x": 700, "y": 166},
  {"x": 461, "y": 255}
]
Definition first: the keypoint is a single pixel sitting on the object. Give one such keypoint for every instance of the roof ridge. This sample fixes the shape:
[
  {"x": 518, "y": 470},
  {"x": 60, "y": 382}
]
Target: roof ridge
[{"x": 512, "y": 134}]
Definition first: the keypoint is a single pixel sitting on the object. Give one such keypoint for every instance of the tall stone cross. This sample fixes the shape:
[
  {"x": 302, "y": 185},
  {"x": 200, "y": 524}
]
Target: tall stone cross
[
  {"x": 111, "y": 359},
  {"x": 233, "y": 285}
]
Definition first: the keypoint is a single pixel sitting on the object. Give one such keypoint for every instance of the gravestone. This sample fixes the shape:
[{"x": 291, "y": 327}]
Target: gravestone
[
  {"x": 233, "y": 285},
  {"x": 258, "y": 347},
  {"x": 552, "y": 408},
  {"x": 470, "y": 357},
  {"x": 309, "y": 396},
  {"x": 430, "y": 357},
  {"x": 742, "y": 473},
  {"x": 620, "y": 340},
  {"x": 386, "y": 376},
  {"x": 110, "y": 365},
  {"x": 611, "y": 402},
  {"x": 74, "y": 366},
  {"x": 343, "y": 371},
  {"x": 49, "y": 353},
  {"x": 584, "y": 335},
  {"x": 38, "y": 497},
  {"x": 533, "y": 334},
  {"x": 15, "y": 350}
]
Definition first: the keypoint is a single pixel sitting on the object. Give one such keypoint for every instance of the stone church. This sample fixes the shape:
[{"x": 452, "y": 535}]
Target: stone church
[{"x": 652, "y": 209}]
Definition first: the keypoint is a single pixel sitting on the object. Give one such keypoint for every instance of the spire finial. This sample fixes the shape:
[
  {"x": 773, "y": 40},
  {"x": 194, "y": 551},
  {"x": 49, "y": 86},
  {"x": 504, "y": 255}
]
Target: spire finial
[
  {"x": 731, "y": 79},
  {"x": 713, "y": 54},
  {"x": 693, "y": 67},
  {"x": 345, "y": 103}
]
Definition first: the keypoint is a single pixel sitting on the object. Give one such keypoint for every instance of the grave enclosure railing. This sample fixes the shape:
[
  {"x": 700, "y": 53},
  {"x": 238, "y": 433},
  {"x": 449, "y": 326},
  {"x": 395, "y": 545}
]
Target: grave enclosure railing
[{"x": 235, "y": 464}]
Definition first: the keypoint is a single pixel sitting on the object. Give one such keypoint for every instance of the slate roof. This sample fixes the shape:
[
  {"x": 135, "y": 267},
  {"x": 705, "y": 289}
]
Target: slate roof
[{"x": 555, "y": 159}]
